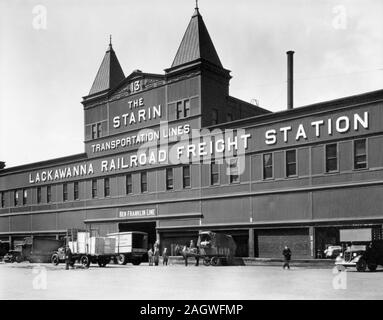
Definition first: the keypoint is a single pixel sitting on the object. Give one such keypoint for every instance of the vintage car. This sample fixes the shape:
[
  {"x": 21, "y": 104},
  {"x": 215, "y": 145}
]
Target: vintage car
[
  {"x": 332, "y": 251},
  {"x": 13, "y": 256},
  {"x": 350, "y": 257},
  {"x": 369, "y": 257}
]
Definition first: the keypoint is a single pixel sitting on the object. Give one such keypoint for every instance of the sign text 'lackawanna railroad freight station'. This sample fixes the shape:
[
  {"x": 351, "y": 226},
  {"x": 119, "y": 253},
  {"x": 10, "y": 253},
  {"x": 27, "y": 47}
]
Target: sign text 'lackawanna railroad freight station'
[{"x": 222, "y": 145}]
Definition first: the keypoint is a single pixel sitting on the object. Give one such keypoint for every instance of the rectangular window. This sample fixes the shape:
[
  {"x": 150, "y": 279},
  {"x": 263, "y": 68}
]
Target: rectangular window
[
  {"x": 38, "y": 194},
  {"x": 179, "y": 109},
  {"x": 49, "y": 194},
  {"x": 214, "y": 173},
  {"x": 331, "y": 157},
  {"x": 186, "y": 176},
  {"x": 16, "y": 198},
  {"x": 291, "y": 163},
  {"x": 129, "y": 184},
  {"x": 65, "y": 192},
  {"x": 94, "y": 188},
  {"x": 75, "y": 191},
  {"x": 99, "y": 130},
  {"x": 106, "y": 187},
  {"x": 267, "y": 166},
  {"x": 169, "y": 179},
  {"x": 229, "y": 117},
  {"x": 2, "y": 199},
  {"x": 25, "y": 196},
  {"x": 233, "y": 171},
  {"x": 144, "y": 182},
  {"x": 186, "y": 108},
  {"x": 214, "y": 116},
  {"x": 94, "y": 131},
  {"x": 360, "y": 154}
]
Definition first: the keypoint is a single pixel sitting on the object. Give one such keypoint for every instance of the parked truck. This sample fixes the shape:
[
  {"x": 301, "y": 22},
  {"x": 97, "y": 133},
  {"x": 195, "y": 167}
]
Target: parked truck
[
  {"x": 34, "y": 249},
  {"x": 130, "y": 246},
  {"x": 86, "y": 249}
]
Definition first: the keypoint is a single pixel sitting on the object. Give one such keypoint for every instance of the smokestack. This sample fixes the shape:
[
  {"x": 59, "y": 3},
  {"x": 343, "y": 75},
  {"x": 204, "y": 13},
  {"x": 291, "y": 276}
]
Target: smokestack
[{"x": 290, "y": 80}]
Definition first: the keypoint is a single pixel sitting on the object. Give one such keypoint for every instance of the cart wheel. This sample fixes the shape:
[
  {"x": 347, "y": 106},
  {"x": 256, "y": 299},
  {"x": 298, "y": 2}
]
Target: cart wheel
[
  {"x": 121, "y": 259},
  {"x": 206, "y": 261},
  {"x": 55, "y": 259},
  {"x": 85, "y": 261},
  {"x": 214, "y": 261}
]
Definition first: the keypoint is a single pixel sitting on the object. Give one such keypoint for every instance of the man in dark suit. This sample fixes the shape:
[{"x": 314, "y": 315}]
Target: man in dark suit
[{"x": 287, "y": 257}]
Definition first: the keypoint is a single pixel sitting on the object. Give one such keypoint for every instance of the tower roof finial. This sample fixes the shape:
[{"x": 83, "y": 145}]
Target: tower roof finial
[
  {"x": 196, "y": 4},
  {"x": 110, "y": 40}
]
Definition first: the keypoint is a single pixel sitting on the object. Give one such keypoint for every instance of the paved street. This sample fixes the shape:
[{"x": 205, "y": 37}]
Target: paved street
[{"x": 27, "y": 281}]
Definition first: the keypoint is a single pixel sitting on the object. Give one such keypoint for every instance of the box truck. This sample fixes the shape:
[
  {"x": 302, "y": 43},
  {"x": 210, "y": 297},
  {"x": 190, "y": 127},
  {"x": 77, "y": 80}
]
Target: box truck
[
  {"x": 86, "y": 249},
  {"x": 130, "y": 246}
]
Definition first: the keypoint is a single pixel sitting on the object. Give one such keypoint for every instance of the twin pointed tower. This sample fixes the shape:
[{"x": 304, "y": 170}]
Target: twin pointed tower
[
  {"x": 196, "y": 61},
  {"x": 196, "y": 49}
]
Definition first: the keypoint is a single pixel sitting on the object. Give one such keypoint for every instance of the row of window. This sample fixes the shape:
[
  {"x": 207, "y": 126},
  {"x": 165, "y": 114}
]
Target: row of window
[
  {"x": 331, "y": 165},
  {"x": 331, "y": 159}
]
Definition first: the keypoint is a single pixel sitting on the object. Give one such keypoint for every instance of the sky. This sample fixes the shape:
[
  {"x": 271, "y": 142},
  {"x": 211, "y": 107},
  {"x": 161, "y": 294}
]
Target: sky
[{"x": 50, "y": 51}]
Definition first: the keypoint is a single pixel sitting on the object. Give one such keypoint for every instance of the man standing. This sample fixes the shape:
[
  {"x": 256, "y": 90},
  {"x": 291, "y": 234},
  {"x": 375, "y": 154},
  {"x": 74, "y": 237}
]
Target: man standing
[
  {"x": 287, "y": 256},
  {"x": 156, "y": 253},
  {"x": 68, "y": 257},
  {"x": 150, "y": 256},
  {"x": 185, "y": 255},
  {"x": 165, "y": 257}
]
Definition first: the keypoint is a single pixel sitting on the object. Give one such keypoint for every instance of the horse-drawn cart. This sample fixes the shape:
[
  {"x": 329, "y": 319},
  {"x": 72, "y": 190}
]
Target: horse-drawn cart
[{"x": 214, "y": 249}]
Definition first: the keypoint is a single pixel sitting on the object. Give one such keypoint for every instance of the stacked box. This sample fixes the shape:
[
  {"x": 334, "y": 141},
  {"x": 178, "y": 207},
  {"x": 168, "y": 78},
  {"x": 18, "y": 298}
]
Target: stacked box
[
  {"x": 73, "y": 246},
  {"x": 83, "y": 242},
  {"x": 109, "y": 245},
  {"x": 96, "y": 245}
]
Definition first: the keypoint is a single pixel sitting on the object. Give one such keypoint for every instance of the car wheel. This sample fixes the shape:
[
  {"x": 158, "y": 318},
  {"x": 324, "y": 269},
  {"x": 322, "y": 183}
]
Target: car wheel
[
  {"x": 372, "y": 267},
  {"x": 361, "y": 265}
]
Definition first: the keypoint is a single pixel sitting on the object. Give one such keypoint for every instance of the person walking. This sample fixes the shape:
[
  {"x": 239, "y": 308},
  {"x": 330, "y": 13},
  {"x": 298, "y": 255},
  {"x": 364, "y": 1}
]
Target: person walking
[
  {"x": 287, "y": 257},
  {"x": 150, "y": 256},
  {"x": 165, "y": 257},
  {"x": 68, "y": 257}
]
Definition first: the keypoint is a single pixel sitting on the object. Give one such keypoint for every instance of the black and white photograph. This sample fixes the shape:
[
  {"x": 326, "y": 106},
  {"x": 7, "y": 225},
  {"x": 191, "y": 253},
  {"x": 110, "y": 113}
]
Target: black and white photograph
[{"x": 191, "y": 155}]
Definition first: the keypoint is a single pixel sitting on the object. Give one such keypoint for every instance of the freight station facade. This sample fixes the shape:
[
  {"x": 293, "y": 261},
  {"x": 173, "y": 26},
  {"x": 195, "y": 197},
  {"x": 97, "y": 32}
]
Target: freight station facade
[{"x": 174, "y": 153}]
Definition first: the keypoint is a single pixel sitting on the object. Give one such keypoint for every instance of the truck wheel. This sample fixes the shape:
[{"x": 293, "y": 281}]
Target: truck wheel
[
  {"x": 136, "y": 262},
  {"x": 361, "y": 265},
  {"x": 372, "y": 267},
  {"x": 55, "y": 259},
  {"x": 121, "y": 259},
  {"x": 18, "y": 259},
  {"x": 101, "y": 262},
  {"x": 85, "y": 261}
]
